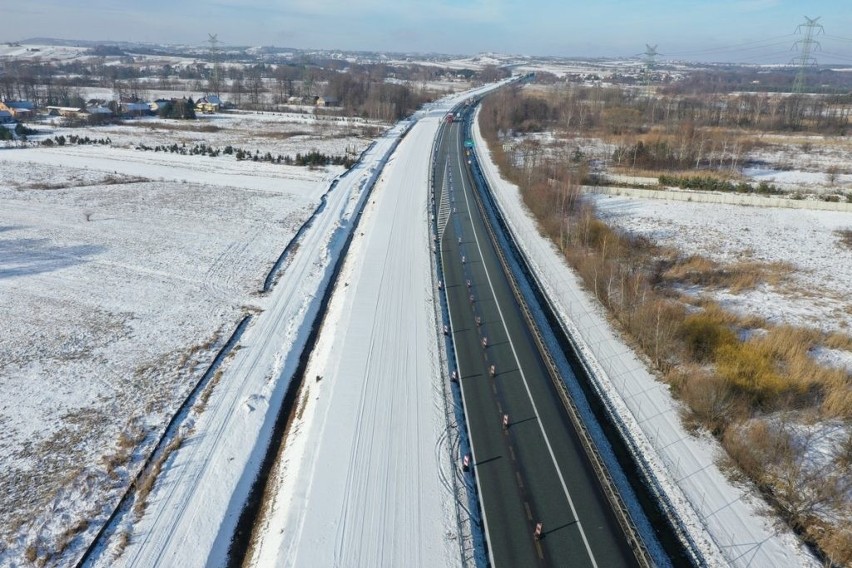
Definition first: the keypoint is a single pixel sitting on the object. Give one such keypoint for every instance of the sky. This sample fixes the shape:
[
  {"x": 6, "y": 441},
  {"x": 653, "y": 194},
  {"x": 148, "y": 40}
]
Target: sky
[{"x": 746, "y": 31}]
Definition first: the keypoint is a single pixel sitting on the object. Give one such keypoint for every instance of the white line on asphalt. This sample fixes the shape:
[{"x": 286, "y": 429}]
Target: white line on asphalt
[
  {"x": 523, "y": 376},
  {"x": 464, "y": 407}
]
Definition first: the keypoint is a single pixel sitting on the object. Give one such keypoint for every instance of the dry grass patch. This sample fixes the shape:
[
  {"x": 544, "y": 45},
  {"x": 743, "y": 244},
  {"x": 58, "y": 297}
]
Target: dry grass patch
[
  {"x": 182, "y": 127},
  {"x": 109, "y": 179},
  {"x": 772, "y": 371},
  {"x": 737, "y": 277},
  {"x": 844, "y": 453},
  {"x": 146, "y": 481},
  {"x": 122, "y": 540},
  {"x": 128, "y": 440},
  {"x": 838, "y": 544},
  {"x": 68, "y": 535},
  {"x": 838, "y": 396},
  {"x": 285, "y": 134},
  {"x": 303, "y": 402},
  {"x": 790, "y": 347},
  {"x": 704, "y": 333},
  {"x": 31, "y": 553},
  {"x": 845, "y": 236},
  {"x": 800, "y": 489},
  {"x": 726, "y": 175},
  {"x": 748, "y": 369},
  {"x": 204, "y": 397},
  {"x": 46, "y": 185},
  {"x": 711, "y": 401},
  {"x": 838, "y": 340}
]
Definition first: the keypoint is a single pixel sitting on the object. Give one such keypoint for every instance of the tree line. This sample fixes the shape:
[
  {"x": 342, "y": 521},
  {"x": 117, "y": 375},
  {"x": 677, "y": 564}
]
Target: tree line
[{"x": 371, "y": 90}]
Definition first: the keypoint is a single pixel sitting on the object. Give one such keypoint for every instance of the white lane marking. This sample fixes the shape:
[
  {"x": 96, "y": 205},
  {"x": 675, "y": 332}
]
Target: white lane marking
[
  {"x": 523, "y": 376},
  {"x": 464, "y": 409}
]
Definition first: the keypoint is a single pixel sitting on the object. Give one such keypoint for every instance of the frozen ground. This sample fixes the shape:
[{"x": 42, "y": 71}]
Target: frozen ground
[
  {"x": 121, "y": 273},
  {"x": 724, "y": 520},
  {"x": 820, "y": 294}
]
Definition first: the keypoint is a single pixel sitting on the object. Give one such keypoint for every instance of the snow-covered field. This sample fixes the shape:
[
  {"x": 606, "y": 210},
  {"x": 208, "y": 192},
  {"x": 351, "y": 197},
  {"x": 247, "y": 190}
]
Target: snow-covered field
[
  {"x": 820, "y": 293},
  {"x": 803, "y": 164},
  {"x": 202, "y": 490},
  {"x": 284, "y": 133},
  {"x": 121, "y": 274},
  {"x": 37, "y": 51}
]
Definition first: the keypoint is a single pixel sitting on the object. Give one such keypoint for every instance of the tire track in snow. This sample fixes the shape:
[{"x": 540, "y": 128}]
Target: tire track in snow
[{"x": 361, "y": 457}]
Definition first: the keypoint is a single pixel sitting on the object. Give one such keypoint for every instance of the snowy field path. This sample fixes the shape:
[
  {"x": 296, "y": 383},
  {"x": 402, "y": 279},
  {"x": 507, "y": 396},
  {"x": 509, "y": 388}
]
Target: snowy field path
[
  {"x": 195, "y": 505},
  {"x": 368, "y": 491}
]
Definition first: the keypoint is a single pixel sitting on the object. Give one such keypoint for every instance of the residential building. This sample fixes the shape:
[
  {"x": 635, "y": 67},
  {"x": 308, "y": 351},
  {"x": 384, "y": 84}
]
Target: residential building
[
  {"x": 328, "y": 101},
  {"x": 19, "y": 109},
  {"x": 208, "y": 104}
]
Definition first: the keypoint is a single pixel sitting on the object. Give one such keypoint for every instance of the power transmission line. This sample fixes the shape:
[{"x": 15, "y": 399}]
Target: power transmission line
[
  {"x": 745, "y": 46},
  {"x": 838, "y": 37},
  {"x": 836, "y": 56}
]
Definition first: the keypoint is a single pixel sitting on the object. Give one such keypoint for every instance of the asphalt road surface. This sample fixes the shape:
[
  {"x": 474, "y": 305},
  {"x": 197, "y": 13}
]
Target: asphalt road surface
[{"x": 529, "y": 461}]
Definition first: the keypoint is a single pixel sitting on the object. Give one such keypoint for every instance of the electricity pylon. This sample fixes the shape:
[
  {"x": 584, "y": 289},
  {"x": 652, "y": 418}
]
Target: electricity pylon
[
  {"x": 214, "y": 56},
  {"x": 650, "y": 60},
  {"x": 806, "y": 47}
]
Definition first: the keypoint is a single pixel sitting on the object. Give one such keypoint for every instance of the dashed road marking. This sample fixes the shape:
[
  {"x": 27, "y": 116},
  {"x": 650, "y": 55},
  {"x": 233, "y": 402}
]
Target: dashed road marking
[{"x": 523, "y": 377}]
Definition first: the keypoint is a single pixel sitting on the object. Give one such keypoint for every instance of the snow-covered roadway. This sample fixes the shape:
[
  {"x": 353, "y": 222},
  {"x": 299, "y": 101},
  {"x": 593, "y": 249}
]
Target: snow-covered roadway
[
  {"x": 367, "y": 489},
  {"x": 364, "y": 478}
]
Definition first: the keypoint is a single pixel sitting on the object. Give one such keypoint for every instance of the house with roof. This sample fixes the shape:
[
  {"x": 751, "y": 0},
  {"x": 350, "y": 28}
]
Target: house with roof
[
  {"x": 67, "y": 112},
  {"x": 328, "y": 101},
  {"x": 208, "y": 104},
  {"x": 19, "y": 109},
  {"x": 134, "y": 107},
  {"x": 161, "y": 105},
  {"x": 99, "y": 110}
]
